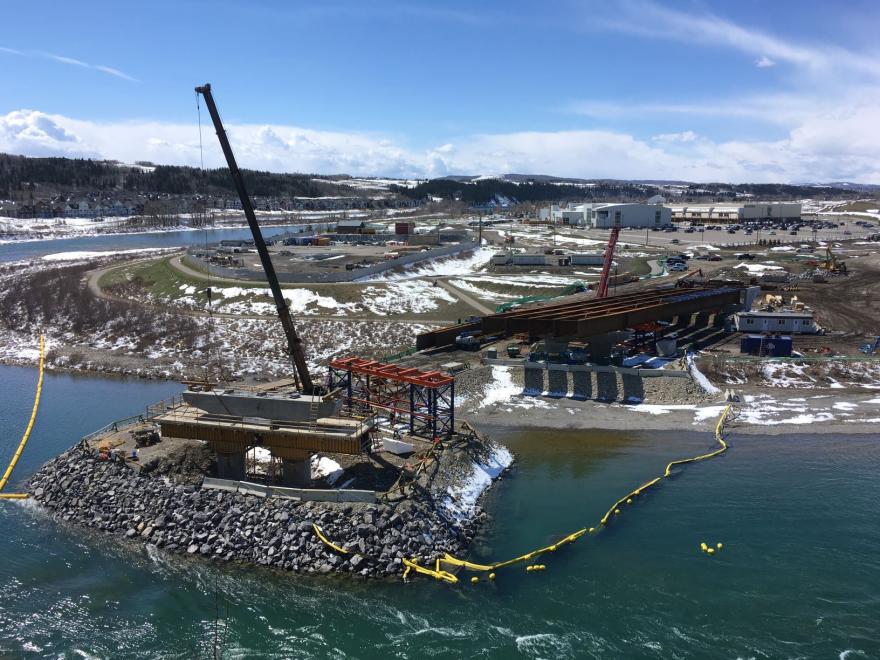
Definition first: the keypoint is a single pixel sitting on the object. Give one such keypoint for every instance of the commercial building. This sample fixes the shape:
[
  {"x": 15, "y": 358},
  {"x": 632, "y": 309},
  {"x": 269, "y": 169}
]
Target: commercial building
[
  {"x": 605, "y": 216},
  {"x": 558, "y": 258},
  {"x": 734, "y": 213}
]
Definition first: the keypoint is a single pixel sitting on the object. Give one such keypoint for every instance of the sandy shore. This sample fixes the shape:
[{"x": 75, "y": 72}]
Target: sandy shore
[{"x": 769, "y": 411}]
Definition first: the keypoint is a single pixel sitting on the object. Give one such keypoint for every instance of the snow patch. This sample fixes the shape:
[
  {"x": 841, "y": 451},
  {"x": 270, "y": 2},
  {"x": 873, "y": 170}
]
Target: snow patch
[{"x": 462, "y": 500}]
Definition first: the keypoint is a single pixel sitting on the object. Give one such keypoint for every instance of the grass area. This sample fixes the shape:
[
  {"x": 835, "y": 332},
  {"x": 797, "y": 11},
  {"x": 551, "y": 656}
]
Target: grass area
[
  {"x": 634, "y": 265},
  {"x": 159, "y": 281},
  {"x": 862, "y": 206}
]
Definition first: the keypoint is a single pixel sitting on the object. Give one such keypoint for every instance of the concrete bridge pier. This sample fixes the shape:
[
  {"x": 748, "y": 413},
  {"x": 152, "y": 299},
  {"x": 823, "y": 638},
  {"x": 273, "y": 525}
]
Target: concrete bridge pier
[
  {"x": 296, "y": 473},
  {"x": 533, "y": 375},
  {"x": 557, "y": 380},
  {"x": 231, "y": 466},
  {"x": 582, "y": 383}
]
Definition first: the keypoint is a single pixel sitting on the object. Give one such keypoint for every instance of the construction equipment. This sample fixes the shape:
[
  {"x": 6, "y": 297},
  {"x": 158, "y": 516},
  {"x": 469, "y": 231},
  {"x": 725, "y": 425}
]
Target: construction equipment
[
  {"x": 602, "y": 289},
  {"x": 294, "y": 343},
  {"x": 576, "y": 287},
  {"x": 832, "y": 264},
  {"x": 871, "y": 347},
  {"x": 685, "y": 281}
]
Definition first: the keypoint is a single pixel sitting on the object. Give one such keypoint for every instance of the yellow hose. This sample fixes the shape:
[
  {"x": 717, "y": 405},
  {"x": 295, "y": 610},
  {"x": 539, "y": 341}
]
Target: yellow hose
[
  {"x": 27, "y": 432},
  {"x": 440, "y": 574},
  {"x": 327, "y": 541}
]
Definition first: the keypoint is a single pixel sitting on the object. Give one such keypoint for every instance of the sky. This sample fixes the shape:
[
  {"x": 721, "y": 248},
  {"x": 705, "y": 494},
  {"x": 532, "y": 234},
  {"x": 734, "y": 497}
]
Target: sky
[{"x": 697, "y": 90}]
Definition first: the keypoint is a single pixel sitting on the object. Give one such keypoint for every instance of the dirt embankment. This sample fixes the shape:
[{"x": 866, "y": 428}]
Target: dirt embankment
[{"x": 848, "y": 303}]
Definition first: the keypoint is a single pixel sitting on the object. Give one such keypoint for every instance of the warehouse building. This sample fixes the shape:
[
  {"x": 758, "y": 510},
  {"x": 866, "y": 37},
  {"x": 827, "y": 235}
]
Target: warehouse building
[
  {"x": 734, "y": 213},
  {"x": 605, "y": 216}
]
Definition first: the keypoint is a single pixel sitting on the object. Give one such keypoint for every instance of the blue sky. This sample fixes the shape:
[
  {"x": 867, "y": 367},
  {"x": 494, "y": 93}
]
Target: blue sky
[{"x": 741, "y": 91}]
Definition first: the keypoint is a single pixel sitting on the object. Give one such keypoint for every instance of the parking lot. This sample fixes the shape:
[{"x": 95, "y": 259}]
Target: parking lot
[{"x": 749, "y": 234}]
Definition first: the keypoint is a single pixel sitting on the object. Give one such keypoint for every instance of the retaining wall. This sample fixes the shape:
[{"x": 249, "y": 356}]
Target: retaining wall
[{"x": 304, "y": 494}]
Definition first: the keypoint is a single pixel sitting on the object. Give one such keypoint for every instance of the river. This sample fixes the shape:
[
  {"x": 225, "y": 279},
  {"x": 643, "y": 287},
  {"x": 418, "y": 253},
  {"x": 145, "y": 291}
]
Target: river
[
  {"x": 799, "y": 575},
  {"x": 20, "y": 250}
]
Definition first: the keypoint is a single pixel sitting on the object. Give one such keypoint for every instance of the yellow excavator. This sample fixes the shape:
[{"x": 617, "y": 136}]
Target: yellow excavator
[{"x": 832, "y": 264}]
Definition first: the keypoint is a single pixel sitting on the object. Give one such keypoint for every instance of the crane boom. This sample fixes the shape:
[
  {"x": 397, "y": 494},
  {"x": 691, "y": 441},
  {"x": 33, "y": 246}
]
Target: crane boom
[
  {"x": 602, "y": 289},
  {"x": 294, "y": 343}
]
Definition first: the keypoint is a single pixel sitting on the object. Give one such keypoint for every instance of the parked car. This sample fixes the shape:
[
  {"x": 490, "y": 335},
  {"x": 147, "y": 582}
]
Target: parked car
[
  {"x": 715, "y": 257},
  {"x": 745, "y": 256},
  {"x": 675, "y": 241},
  {"x": 678, "y": 267}
]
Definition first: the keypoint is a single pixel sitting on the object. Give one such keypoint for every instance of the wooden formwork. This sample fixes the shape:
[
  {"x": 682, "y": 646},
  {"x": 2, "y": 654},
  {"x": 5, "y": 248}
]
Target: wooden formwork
[{"x": 290, "y": 441}]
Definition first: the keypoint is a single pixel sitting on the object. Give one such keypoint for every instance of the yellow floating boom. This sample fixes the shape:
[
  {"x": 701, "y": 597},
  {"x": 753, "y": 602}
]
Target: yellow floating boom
[{"x": 27, "y": 432}]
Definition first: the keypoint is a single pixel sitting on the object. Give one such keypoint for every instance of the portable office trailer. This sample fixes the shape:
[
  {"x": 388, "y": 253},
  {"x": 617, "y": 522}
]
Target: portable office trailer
[{"x": 787, "y": 322}]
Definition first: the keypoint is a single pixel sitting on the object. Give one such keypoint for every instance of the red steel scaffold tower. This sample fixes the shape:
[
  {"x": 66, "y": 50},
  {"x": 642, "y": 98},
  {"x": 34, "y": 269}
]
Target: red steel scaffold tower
[{"x": 425, "y": 399}]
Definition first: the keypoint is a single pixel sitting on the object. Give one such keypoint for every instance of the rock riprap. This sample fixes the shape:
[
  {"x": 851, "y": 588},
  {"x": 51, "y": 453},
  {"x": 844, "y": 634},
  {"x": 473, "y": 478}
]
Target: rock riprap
[{"x": 109, "y": 495}]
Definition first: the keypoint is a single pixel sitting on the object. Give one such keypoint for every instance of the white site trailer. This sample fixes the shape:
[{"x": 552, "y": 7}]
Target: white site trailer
[{"x": 785, "y": 322}]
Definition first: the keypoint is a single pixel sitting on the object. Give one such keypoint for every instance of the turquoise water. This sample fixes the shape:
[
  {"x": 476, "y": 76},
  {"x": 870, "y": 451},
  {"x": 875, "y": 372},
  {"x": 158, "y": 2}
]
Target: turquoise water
[
  {"x": 18, "y": 250},
  {"x": 799, "y": 576}
]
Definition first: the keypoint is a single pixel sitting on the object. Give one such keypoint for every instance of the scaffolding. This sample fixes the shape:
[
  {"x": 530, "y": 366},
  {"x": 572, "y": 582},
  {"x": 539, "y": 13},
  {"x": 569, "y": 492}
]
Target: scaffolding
[{"x": 424, "y": 400}]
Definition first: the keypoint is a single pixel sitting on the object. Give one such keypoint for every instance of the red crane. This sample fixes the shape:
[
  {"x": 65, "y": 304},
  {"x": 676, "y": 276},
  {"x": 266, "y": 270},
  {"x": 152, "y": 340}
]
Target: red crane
[{"x": 602, "y": 289}]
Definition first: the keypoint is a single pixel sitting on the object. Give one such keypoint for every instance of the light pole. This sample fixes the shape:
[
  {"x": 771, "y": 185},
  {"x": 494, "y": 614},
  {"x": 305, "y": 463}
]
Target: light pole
[{"x": 646, "y": 235}]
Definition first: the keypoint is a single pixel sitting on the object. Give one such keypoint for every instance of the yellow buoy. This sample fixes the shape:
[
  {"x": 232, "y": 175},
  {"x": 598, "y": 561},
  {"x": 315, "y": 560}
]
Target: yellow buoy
[
  {"x": 592, "y": 529},
  {"x": 475, "y": 579},
  {"x": 703, "y": 546},
  {"x": 711, "y": 551},
  {"x": 720, "y": 545},
  {"x": 616, "y": 512},
  {"x": 629, "y": 501},
  {"x": 491, "y": 576}
]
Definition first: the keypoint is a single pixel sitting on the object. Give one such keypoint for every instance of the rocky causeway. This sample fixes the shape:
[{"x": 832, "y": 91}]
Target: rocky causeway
[{"x": 151, "y": 509}]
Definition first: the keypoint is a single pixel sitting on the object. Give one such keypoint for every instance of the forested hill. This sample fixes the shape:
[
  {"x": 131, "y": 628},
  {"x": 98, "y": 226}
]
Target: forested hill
[
  {"x": 17, "y": 173},
  {"x": 482, "y": 191}
]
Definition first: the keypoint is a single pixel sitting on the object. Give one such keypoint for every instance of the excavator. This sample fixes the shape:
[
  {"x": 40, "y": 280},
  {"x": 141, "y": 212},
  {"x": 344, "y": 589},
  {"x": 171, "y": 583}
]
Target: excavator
[
  {"x": 832, "y": 264},
  {"x": 302, "y": 378}
]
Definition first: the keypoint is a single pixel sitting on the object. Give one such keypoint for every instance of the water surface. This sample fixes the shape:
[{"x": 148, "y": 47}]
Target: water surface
[
  {"x": 798, "y": 576},
  {"x": 18, "y": 250}
]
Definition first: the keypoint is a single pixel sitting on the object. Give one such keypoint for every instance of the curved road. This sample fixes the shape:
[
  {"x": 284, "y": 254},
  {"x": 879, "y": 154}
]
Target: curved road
[{"x": 96, "y": 290}]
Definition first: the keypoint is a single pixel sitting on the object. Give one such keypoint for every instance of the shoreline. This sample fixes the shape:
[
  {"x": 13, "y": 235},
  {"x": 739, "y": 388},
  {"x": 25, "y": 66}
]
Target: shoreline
[{"x": 563, "y": 413}]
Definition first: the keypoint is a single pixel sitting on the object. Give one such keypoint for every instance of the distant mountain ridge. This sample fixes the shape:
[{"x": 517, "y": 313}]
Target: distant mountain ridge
[{"x": 20, "y": 176}]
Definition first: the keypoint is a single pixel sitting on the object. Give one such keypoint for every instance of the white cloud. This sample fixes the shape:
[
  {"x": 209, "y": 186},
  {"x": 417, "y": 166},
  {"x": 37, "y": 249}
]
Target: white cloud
[
  {"x": 764, "y": 62},
  {"x": 771, "y": 107},
  {"x": 62, "y": 59},
  {"x": 686, "y": 136},
  {"x": 836, "y": 142},
  {"x": 648, "y": 19}
]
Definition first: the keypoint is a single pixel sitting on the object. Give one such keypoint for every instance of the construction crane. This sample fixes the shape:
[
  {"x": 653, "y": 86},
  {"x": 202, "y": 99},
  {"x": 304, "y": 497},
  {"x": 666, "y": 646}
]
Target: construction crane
[
  {"x": 602, "y": 289},
  {"x": 294, "y": 344}
]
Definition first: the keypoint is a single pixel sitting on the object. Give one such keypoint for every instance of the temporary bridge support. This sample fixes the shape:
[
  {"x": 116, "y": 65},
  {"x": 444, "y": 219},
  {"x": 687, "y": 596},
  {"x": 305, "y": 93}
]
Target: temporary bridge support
[{"x": 424, "y": 399}]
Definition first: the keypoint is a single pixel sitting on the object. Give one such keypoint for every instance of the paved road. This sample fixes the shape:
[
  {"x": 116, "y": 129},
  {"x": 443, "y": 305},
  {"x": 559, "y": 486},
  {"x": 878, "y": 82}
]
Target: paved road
[
  {"x": 465, "y": 298},
  {"x": 95, "y": 275}
]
